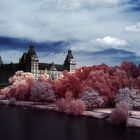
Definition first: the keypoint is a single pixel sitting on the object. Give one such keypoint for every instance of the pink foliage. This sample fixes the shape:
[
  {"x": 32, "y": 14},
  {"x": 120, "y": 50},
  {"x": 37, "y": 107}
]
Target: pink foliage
[
  {"x": 20, "y": 88},
  {"x": 5, "y": 91},
  {"x": 103, "y": 79},
  {"x": 2, "y": 97},
  {"x": 130, "y": 68},
  {"x": 12, "y": 101},
  {"x": 19, "y": 76},
  {"x": 69, "y": 82},
  {"x": 69, "y": 105},
  {"x": 43, "y": 77},
  {"x": 120, "y": 113},
  {"x": 42, "y": 91}
]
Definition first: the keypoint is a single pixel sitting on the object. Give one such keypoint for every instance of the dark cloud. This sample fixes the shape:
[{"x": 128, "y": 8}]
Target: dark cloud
[
  {"x": 7, "y": 43},
  {"x": 107, "y": 56}
]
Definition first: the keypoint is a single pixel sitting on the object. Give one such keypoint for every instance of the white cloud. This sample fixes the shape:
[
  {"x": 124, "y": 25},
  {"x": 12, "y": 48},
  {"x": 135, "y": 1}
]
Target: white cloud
[
  {"x": 64, "y": 20},
  {"x": 137, "y": 53},
  {"x": 111, "y": 41},
  {"x": 134, "y": 28},
  {"x": 57, "y": 58},
  {"x": 68, "y": 5},
  {"x": 43, "y": 20}
]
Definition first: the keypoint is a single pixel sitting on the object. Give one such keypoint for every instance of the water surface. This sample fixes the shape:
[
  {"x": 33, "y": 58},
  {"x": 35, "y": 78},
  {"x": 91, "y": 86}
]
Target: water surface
[{"x": 27, "y": 124}]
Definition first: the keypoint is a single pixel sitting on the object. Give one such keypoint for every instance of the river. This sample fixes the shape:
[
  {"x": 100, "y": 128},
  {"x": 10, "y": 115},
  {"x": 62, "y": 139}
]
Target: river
[{"x": 30, "y": 124}]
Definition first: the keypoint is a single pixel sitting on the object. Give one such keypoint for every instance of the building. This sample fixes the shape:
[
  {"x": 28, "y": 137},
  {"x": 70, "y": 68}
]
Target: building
[{"x": 29, "y": 62}]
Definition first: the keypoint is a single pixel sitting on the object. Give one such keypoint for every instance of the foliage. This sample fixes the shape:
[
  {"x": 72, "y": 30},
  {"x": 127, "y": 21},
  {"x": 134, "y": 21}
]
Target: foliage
[
  {"x": 105, "y": 82},
  {"x": 42, "y": 91},
  {"x": 69, "y": 82},
  {"x": 92, "y": 99},
  {"x": 69, "y": 105},
  {"x": 12, "y": 101},
  {"x": 120, "y": 113},
  {"x": 43, "y": 78},
  {"x": 20, "y": 88},
  {"x": 130, "y": 96}
]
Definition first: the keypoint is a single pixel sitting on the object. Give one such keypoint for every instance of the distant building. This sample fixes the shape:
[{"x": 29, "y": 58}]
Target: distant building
[{"x": 29, "y": 62}]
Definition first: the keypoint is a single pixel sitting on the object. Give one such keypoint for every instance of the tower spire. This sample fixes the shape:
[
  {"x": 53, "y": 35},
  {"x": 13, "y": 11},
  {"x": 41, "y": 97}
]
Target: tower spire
[
  {"x": 31, "y": 51},
  {"x": 69, "y": 62}
]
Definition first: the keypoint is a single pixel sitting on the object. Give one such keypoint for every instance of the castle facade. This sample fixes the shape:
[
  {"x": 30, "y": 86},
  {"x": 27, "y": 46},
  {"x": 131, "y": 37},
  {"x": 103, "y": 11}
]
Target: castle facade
[{"x": 29, "y": 62}]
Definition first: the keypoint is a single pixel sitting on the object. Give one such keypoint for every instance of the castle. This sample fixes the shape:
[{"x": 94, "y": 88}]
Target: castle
[{"x": 29, "y": 62}]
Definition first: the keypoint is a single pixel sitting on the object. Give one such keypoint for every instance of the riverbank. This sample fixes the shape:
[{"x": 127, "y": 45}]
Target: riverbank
[{"x": 103, "y": 113}]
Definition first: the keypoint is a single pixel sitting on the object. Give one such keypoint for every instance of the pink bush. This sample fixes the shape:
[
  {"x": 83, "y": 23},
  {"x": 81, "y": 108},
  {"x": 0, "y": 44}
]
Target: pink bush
[
  {"x": 42, "y": 91},
  {"x": 12, "y": 101},
  {"x": 5, "y": 91},
  {"x": 120, "y": 113},
  {"x": 20, "y": 88},
  {"x": 43, "y": 77},
  {"x": 19, "y": 76},
  {"x": 2, "y": 97},
  {"x": 69, "y": 105}
]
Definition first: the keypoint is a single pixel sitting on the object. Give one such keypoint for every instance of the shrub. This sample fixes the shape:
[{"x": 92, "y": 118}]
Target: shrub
[
  {"x": 20, "y": 88},
  {"x": 92, "y": 99},
  {"x": 131, "y": 96},
  {"x": 43, "y": 77},
  {"x": 12, "y": 101},
  {"x": 69, "y": 105},
  {"x": 42, "y": 91},
  {"x": 120, "y": 113}
]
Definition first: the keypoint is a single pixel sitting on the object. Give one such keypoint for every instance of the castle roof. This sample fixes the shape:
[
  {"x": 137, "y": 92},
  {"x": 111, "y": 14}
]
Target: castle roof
[
  {"x": 51, "y": 66},
  {"x": 68, "y": 57},
  {"x": 23, "y": 58},
  {"x": 31, "y": 51}
]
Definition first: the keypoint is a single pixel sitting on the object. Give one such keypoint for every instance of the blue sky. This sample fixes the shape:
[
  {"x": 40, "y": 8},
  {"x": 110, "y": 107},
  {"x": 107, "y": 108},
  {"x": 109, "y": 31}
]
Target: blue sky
[{"x": 98, "y": 31}]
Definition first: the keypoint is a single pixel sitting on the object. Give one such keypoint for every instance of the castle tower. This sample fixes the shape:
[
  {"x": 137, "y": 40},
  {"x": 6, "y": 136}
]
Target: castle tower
[
  {"x": 1, "y": 62},
  {"x": 69, "y": 62},
  {"x": 53, "y": 71},
  {"x": 32, "y": 61}
]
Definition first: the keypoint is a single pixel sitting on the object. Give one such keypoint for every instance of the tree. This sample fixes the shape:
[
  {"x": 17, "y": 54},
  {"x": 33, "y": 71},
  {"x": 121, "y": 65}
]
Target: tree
[
  {"x": 92, "y": 99},
  {"x": 20, "y": 88},
  {"x": 131, "y": 96},
  {"x": 69, "y": 82},
  {"x": 42, "y": 91},
  {"x": 130, "y": 68}
]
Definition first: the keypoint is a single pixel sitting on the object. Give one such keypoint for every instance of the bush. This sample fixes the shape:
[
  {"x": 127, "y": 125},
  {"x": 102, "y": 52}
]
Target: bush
[
  {"x": 120, "y": 113},
  {"x": 69, "y": 105},
  {"x": 131, "y": 96},
  {"x": 43, "y": 78},
  {"x": 42, "y": 91},
  {"x": 20, "y": 88},
  {"x": 12, "y": 101},
  {"x": 92, "y": 99}
]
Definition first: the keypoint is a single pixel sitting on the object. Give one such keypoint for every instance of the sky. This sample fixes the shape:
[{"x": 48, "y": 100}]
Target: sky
[{"x": 97, "y": 31}]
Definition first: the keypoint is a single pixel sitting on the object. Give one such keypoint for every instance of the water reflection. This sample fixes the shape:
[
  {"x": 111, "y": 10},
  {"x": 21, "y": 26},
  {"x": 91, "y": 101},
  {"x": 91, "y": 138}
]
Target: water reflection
[{"x": 21, "y": 124}]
